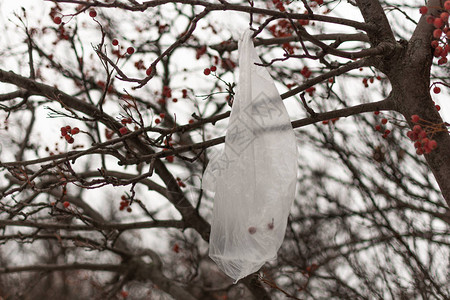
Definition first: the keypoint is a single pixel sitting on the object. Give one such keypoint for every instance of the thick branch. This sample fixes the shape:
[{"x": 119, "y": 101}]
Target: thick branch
[
  {"x": 232, "y": 45},
  {"x": 53, "y": 268},
  {"x": 95, "y": 225},
  {"x": 374, "y": 14}
]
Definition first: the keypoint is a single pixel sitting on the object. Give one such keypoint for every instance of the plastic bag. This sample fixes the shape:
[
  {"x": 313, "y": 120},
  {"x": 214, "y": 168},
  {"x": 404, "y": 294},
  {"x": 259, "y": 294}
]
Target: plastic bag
[{"x": 254, "y": 177}]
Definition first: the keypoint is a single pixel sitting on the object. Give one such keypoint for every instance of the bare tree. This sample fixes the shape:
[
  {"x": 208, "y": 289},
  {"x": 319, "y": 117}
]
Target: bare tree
[{"x": 110, "y": 107}]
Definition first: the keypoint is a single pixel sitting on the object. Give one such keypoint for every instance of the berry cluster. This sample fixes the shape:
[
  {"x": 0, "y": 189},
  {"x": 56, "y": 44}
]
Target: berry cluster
[
  {"x": 208, "y": 71},
  {"x": 168, "y": 144},
  {"x": 419, "y": 136},
  {"x": 123, "y": 130},
  {"x": 311, "y": 90},
  {"x": 162, "y": 116},
  {"x": 125, "y": 203},
  {"x": 166, "y": 93},
  {"x": 379, "y": 127},
  {"x": 185, "y": 93},
  {"x": 306, "y": 72},
  {"x": 180, "y": 182},
  {"x": 126, "y": 121},
  {"x": 283, "y": 28},
  {"x": 325, "y": 122},
  {"x": 140, "y": 65},
  {"x": 441, "y": 34},
  {"x": 68, "y": 133}
]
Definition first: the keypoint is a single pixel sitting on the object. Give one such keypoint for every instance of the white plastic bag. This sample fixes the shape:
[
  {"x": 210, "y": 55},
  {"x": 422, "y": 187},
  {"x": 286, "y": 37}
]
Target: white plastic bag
[{"x": 254, "y": 177}]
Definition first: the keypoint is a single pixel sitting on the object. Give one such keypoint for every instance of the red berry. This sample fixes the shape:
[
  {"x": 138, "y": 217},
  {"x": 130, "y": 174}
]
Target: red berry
[
  {"x": 417, "y": 129},
  {"x": 162, "y": 115},
  {"x": 123, "y": 130},
  {"x": 437, "y": 33},
  {"x": 438, "y": 23},
  {"x": 422, "y": 135},
  {"x": 387, "y": 131},
  {"x": 442, "y": 61},
  {"x": 447, "y": 5},
  {"x": 130, "y": 50},
  {"x": 176, "y": 248},
  {"x": 75, "y": 130},
  {"x": 436, "y": 90},
  {"x": 213, "y": 68},
  {"x": 252, "y": 230},
  {"x": 423, "y": 10},
  {"x": 438, "y": 51},
  {"x": 376, "y": 113},
  {"x": 115, "y": 42},
  {"x": 66, "y": 204},
  {"x": 63, "y": 131},
  {"x": 57, "y": 20},
  {"x": 434, "y": 43},
  {"x": 129, "y": 209},
  {"x": 149, "y": 71},
  {"x": 191, "y": 121},
  {"x": 378, "y": 128},
  {"x": 157, "y": 121},
  {"x": 175, "y": 100},
  {"x": 169, "y": 158},
  {"x": 207, "y": 71},
  {"x": 124, "y": 294},
  {"x": 409, "y": 134},
  {"x": 415, "y": 118},
  {"x": 384, "y": 121},
  {"x": 419, "y": 151},
  {"x": 432, "y": 144},
  {"x": 438, "y": 107},
  {"x": 444, "y": 16},
  {"x": 71, "y": 140},
  {"x": 325, "y": 122},
  {"x": 92, "y": 13}
]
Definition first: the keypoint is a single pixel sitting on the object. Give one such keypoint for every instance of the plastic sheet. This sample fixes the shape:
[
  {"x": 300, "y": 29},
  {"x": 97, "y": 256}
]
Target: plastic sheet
[{"x": 254, "y": 177}]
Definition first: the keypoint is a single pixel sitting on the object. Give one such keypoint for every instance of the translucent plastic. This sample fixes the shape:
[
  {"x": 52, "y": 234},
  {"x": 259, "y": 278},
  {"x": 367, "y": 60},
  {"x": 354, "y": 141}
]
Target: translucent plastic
[{"x": 254, "y": 177}]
